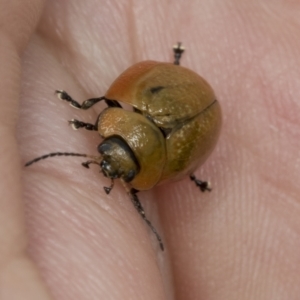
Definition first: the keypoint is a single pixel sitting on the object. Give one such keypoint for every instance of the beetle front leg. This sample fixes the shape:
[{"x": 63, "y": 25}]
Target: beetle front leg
[
  {"x": 63, "y": 95},
  {"x": 79, "y": 124},
  {"x": 203, "y": 185}
]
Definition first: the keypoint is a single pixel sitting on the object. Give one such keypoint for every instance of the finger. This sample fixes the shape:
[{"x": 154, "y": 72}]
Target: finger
[{"x": 20, "y": 278}]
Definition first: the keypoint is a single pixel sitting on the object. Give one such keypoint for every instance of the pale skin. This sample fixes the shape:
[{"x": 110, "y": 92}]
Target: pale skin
[{"x": 62, "y": 237}]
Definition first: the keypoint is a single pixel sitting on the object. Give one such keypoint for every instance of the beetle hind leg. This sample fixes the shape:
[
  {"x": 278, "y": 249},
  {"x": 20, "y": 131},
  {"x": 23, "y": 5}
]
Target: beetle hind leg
[
  {"x": 203, "y": 185},
  {"x": 178, "y": 49}
]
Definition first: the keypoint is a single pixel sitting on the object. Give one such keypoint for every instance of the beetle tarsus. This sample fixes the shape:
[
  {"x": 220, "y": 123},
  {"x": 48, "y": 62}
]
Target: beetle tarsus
[
  {"x": 108, "y": 189},
  {"x": 178, "y": 50},
  {"x": 79, "y": 124},
  {"x": 85, "y": 164},
  {"x": 138, "y": 206},
  {"x": 63, "y": 95},
  {"x": 203, "y": 185}
]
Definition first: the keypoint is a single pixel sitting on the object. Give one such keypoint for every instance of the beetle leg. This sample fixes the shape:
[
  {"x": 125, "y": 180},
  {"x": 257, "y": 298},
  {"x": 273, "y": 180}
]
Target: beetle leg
[
  {"x": 79, "y": 124},
  {"x": 178, "y": 50},
  {"x": 203, "y": 185},
  {"x": 63, "y": 95}
]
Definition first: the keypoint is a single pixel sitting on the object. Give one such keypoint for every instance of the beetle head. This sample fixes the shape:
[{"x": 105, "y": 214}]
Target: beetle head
[{"x": 118, "y": 159}]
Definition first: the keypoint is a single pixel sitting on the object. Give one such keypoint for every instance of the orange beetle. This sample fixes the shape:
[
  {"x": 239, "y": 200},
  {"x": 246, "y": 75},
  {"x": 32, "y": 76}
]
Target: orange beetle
[{"x": 174, "y": 126}]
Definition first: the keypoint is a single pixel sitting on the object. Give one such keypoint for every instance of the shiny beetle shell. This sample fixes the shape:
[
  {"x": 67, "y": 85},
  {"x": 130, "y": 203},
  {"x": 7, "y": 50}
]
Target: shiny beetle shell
[{"x": 175, "y": 124}]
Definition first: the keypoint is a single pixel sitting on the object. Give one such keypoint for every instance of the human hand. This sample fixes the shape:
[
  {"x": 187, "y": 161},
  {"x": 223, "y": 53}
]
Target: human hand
[{"x": 239, "y": 241}]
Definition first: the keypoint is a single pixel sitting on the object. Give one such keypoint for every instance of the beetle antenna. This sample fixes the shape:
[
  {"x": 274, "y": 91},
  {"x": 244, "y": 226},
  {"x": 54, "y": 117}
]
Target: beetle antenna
[
  {"x": 56, "y": 154},
  {"x": 138, "y": 206}
]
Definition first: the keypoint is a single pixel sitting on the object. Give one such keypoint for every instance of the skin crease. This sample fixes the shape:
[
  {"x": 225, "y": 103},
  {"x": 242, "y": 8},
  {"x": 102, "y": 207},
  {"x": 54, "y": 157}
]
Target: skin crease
[{"x": 63, "y": 238}]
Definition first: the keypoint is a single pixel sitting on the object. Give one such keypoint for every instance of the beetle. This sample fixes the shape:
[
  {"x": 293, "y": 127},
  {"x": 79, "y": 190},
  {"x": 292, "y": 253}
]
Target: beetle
[{"x": 173, "y": 127}]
